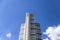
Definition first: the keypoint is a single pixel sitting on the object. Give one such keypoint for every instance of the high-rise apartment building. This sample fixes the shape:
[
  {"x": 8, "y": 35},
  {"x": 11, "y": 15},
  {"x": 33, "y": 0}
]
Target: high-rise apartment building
[{"x": 30, "y": 30}]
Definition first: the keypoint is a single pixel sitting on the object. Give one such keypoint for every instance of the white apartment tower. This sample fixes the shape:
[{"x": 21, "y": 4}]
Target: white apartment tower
[{"x": 30, "y": 30}]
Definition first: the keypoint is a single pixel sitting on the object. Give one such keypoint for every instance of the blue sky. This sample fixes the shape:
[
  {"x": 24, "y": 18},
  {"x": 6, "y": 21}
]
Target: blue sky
[{"x": 12, "y": 14}]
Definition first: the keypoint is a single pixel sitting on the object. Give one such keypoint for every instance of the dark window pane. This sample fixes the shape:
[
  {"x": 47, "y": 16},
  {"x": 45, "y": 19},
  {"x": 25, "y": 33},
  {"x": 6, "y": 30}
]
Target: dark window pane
[{"x": 33, "y": 34}]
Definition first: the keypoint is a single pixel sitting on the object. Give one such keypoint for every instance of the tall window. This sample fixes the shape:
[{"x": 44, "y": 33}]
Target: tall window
[
  {"x": 33, "y": 36},
  {"x": 33, "y": 30}
]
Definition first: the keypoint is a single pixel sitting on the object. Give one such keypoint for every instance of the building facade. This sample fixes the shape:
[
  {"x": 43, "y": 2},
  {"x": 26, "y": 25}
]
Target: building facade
[{"x": 30, "y": 30}]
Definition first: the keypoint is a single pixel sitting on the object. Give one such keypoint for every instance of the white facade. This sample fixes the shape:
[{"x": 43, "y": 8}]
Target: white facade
[{"x": 30, "y": 30}]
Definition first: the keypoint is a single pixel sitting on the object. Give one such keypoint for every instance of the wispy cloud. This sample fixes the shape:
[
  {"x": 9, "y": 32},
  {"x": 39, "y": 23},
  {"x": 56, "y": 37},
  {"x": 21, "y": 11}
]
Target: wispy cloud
[
  {"x": 53, "y": 32},
  {"x": 8, "y": 35}
]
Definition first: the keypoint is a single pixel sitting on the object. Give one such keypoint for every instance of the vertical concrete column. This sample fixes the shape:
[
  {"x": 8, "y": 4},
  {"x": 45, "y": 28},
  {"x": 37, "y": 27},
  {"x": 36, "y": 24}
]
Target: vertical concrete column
[{"x": 27, "y": 32}]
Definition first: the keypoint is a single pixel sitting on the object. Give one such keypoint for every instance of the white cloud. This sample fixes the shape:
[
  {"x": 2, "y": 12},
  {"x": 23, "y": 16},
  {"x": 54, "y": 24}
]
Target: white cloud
[
  {"x": 8, "y": 35},
  {"x": 46, "y": 39},
  {"x": 53, "y": 32}
]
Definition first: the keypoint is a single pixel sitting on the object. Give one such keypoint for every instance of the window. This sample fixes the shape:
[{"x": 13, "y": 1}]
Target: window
[
  {"x": 39, "y": 33},
  {"x": 33, "y": 31},
  {"x": 33, "y": 28},
  {"x": 38, "y": 39},
  {"x": 33, "y": 34},
  {"x": 33, "y": 37},
  {"x": 32, "y": 25}
]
